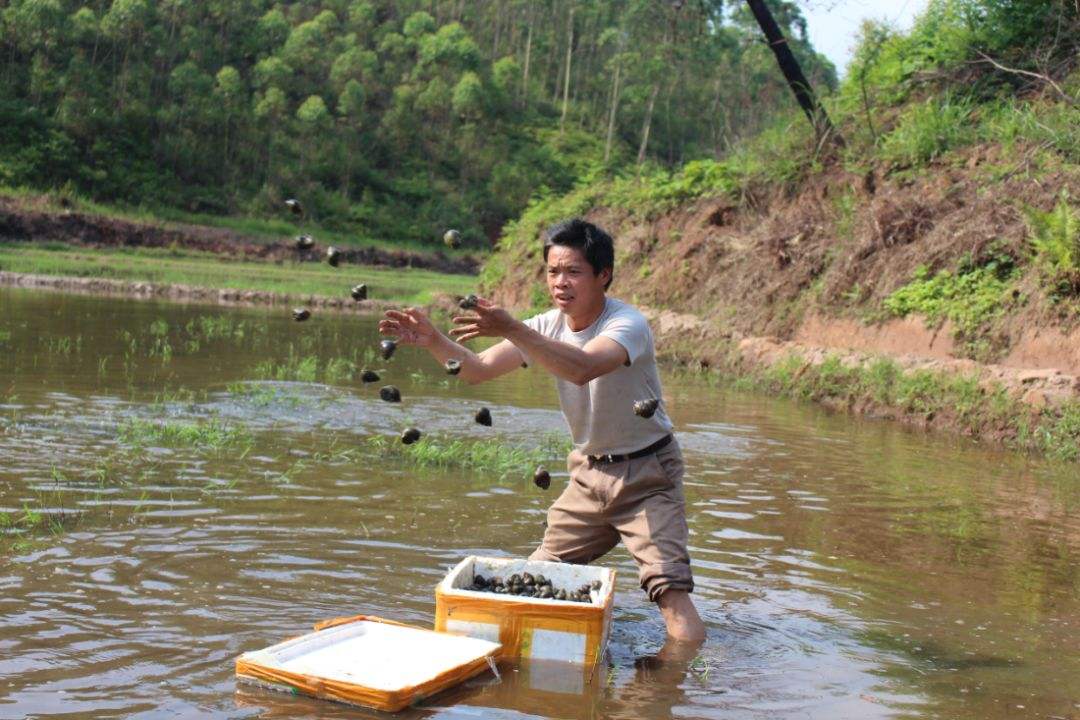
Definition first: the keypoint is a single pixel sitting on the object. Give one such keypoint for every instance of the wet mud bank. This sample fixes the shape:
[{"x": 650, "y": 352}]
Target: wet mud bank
[
  {"x": 26, "y": 221},
  {"x": 1027, "y": 408}
]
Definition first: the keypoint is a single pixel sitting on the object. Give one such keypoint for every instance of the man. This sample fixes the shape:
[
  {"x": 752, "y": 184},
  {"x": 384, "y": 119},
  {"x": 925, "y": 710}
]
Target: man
[{"x": 625, "y": 470}]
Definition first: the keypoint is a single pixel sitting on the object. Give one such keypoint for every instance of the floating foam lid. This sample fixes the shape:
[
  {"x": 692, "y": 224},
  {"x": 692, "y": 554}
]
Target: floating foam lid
[{"x": 373, "y": 654}]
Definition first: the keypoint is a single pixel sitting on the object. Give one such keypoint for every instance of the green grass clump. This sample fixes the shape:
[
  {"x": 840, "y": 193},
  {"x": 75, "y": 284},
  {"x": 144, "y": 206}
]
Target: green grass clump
[
  {"x": 926, "y": 130},
  {"x": 1059, "y": 435},
  {"x": 971, "y": 298},
  {"x": 294, "y": 368},
  {"x": 159, "y": 265},
  {"x": 31, "y": 520},
  {"x": 308, "y": 368},
  {"x": 496, "y": 460},
  {"x": 1055, "y": 238},
  {"x": 1055, "y": 126},
  {"x": 209, "y": 434}
]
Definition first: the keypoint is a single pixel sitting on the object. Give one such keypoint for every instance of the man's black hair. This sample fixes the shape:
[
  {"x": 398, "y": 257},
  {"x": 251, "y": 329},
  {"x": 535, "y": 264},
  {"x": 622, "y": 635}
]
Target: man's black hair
[{"x": 595, "y": 244}]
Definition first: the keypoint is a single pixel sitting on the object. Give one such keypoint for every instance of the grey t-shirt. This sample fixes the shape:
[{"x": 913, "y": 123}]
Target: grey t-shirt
[{"x": 600, "y": 413}]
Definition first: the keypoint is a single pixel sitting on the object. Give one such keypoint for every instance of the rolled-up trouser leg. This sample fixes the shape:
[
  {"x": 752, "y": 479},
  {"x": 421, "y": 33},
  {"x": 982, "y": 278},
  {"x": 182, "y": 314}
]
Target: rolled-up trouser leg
[{"x": 649, "y": 512}]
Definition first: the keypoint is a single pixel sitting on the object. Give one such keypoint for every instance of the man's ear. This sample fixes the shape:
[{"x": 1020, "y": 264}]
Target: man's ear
[{"x": 605, "y": 276}]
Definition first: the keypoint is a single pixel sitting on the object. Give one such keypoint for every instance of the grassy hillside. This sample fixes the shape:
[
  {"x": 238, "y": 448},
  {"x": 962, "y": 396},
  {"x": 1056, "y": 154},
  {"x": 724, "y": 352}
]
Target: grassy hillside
[
  {"x": 955, "y": 196},
  {"x": 952, "y": 204}
]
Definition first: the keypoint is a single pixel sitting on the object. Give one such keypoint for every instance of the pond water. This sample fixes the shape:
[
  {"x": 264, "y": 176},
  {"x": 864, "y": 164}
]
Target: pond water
[{"x": 181, "y": 484}]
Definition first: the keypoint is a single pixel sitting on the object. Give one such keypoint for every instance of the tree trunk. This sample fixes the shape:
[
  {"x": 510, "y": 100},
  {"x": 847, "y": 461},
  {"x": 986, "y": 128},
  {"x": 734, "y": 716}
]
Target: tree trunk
[
  {"x": 498, "y": 27},
  {"x": 566, "y": 81},
  {"x": 553, "y": 60},
  {"x": 798, "y": 83},
  {"x": 525, "y": 72},
  {"x": 612, "y": 111},
  {"x": 648, "y": 122}
]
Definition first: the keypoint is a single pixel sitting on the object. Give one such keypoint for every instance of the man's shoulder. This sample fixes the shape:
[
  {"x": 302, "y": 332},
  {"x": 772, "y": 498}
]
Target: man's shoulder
[
  {"x": 624, "y": 311},
  {"x": 545, "y": 322}
]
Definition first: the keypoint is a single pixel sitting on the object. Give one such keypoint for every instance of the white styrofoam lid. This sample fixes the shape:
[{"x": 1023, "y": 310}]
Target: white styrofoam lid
[{"x": 373, "y": 654}]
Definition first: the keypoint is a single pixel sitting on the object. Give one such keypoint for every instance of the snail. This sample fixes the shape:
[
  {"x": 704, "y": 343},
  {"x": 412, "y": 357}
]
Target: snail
[
  {"x": 452, "y": 238},
  {"x": 453, "y": 367},
  {"x": 333, "y": 256},
  {"x": 646, "y": 408},
  {"x": 387, "y": 348},
  {"x": 305, "y": 242},
  {"x": 542, "y": 478},
  {"x": 389, "y": 393},
  {"x": 410, "y": 435},
  {"x": 525, "y": 585},
  {"x": 483, "y": 416},
  {"x": 359, "y": 292},
  {"x": 369, "y": 376},
  {"x": 294, "y": 205},
  {"x": 300, "y": 314},
  {"x": 468, "y": 302}
]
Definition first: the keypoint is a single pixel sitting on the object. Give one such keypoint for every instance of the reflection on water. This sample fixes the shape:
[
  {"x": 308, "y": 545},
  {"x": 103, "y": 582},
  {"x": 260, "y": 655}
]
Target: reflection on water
[{"x": 844, "y": 568}]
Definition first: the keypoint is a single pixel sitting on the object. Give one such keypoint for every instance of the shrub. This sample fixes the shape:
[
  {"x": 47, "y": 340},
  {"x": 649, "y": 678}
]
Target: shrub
[
  {"x": 970, "y": 297},
  {"x": 1055, "y": 238}
]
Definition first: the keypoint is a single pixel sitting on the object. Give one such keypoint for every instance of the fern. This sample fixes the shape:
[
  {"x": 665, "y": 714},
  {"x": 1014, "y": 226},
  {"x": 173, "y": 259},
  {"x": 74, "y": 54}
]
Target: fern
[{"x": 1055, "y": 237}]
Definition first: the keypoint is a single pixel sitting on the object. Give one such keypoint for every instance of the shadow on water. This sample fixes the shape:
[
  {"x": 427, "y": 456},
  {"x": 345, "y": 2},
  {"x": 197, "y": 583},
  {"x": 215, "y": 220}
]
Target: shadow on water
[{"x": 221, "y": 494}]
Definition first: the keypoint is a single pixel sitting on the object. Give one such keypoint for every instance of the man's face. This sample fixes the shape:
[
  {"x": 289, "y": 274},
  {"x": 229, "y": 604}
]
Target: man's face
[{"x": 571, "y": 282}]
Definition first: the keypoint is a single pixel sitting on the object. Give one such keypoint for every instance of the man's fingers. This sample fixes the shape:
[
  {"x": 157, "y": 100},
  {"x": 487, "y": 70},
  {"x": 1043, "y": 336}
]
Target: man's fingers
[
  {"x": 459, "y": 331},
  {"x": 397, "y": 315},
  {"x": 462, "y": 319},
  {"x": 465, "y": 337}
]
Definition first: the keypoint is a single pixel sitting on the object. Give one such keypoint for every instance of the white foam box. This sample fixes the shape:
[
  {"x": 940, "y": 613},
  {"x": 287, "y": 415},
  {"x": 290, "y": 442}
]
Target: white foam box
[
  {"x": 531, "y": 628},
  {"x": 367, "y": 661}
]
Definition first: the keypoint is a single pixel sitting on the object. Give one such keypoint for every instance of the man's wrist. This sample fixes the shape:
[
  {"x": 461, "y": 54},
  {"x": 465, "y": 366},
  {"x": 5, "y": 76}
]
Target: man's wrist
[{"x": 517, "y": 332}]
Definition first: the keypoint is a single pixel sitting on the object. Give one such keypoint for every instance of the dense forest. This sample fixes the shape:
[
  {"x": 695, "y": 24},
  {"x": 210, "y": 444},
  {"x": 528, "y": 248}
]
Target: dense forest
[{"x": 391, "y": 119}]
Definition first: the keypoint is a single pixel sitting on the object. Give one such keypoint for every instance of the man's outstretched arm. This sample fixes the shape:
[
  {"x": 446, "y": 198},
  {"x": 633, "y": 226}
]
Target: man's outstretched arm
[
  {"x": 412, "y": 327},
  {"x": 598, "y": 357}
]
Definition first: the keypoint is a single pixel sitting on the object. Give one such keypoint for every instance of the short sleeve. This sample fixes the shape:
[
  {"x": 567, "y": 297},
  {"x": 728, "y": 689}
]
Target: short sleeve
[
  {"x": 629, "y": 329},
  {"x": 540, "y": 323}
]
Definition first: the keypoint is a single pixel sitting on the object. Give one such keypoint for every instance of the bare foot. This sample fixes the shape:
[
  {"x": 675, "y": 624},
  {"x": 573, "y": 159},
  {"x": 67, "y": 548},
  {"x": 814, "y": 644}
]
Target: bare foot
[{"x": 681, "y": 617}]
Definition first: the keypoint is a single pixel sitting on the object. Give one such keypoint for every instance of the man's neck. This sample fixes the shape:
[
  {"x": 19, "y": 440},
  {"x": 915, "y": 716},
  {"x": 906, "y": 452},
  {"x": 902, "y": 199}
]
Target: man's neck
[{"x": 585, "y": 318}]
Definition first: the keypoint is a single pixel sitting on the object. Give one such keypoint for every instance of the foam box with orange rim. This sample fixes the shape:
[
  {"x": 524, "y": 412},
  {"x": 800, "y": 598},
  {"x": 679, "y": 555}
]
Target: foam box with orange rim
[{"x": 532, "y": 628}]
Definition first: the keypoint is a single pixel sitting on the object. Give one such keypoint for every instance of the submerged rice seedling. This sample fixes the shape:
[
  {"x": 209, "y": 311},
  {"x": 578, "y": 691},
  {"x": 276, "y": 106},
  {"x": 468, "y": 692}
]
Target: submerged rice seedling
[
  {"x": 212, "y": 434},
  {"x": 494, "y": 459}
]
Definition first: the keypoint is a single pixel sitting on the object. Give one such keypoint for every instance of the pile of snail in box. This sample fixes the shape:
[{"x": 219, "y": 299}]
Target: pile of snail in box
[{"x": 529, "y": 585}]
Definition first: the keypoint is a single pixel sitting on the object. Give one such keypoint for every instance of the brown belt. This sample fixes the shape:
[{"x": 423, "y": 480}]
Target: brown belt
[{"x": 659, "y": 444}]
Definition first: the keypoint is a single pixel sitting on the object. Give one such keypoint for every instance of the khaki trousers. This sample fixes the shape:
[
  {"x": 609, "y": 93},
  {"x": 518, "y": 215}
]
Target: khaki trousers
[{"x": 639, "y": 501}]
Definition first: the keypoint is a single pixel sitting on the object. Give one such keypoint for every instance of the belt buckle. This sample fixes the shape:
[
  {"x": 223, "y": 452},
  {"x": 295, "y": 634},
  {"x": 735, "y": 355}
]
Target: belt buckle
[{"x": 609, "y": 458}]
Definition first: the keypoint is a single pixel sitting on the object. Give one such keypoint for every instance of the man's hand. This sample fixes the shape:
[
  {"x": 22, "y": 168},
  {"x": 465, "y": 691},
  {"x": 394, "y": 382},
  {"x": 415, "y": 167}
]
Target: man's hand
[
  {"x": 410, "y": 326},
  {"x": 490, "y": 320}
]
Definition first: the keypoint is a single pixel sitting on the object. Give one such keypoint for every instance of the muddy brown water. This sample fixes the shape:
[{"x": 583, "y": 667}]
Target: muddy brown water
[{"x": 845, "y": 568}]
